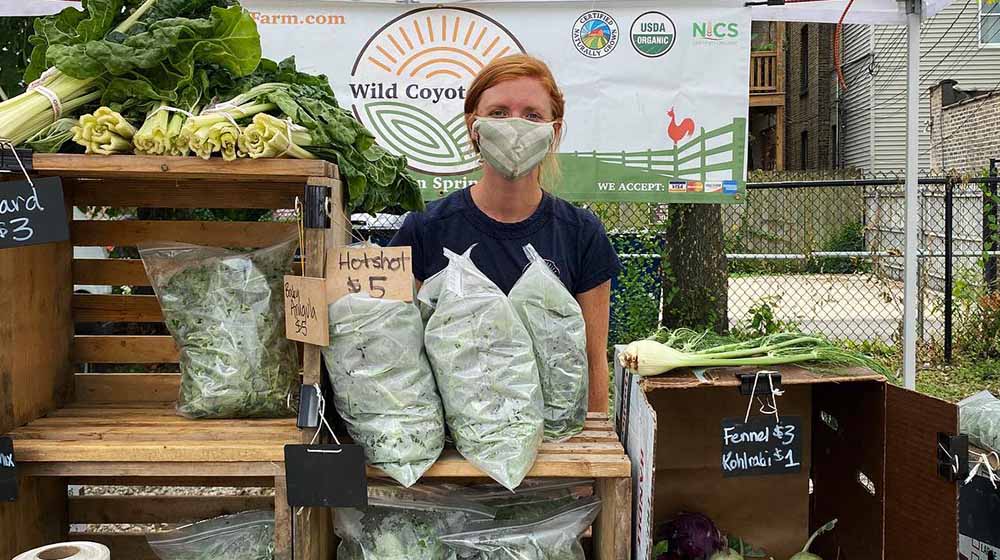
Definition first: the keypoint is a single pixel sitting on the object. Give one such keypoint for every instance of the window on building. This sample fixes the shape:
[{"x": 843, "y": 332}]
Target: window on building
[
  {"x": 804, "y": 150},
  {"x": 989, "y": 23},
  {"x": 804, "y": 66}
]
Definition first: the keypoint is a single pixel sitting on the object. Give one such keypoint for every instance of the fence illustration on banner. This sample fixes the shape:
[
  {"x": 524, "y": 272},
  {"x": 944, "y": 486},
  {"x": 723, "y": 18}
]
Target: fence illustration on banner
[{"x": 694, "y": 160}]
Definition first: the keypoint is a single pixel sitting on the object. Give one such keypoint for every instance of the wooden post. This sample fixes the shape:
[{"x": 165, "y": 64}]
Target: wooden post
[
  {"x": 36, "y": 376},
  {"x": 282, "y": 520},
  {"x": 314, "y": 525},
  {"x": 779, "y": 138},
  {"x": 613, "y": 527}
]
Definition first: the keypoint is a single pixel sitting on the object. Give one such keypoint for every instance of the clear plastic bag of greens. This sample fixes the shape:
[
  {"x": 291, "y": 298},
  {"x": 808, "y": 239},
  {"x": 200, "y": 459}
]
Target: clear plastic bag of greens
[
  {"x": 559, "y": 336},
  {"x": 404, "y": 524},
  {"x": 243, "y": 536},
  {"x": 383, "y": 385},
  {"x": 979, "y": 416},
  {"x": 554, "y": 536},
  {"x": 485, "y": 369},
  {"x": 535, "y": 497},
  {"x": 225, "y": 309}
]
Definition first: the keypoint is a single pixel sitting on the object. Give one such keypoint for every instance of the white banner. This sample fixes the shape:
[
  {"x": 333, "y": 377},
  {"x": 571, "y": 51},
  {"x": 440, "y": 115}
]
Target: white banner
[{"x": 657, "y": 99}]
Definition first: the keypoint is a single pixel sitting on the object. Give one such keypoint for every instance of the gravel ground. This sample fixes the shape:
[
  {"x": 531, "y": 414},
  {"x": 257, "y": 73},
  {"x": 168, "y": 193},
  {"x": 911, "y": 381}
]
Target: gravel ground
[{"x": 851, "y": 306}]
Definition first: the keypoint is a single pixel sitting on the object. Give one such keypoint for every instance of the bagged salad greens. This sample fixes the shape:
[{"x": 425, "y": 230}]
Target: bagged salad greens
[
  {"x": 225, "y": 309},
  {"x": 552, "y": 536},
  {"x": 383, "y": 384},
  {"x": 559, "y": 336},
  {"x": 404, "y": 524},
  {"x": 485, "y": 368},
  {"x": 979, "y": 416},
  {"x": 244, "y": 536},
  {"x": 533, "y": 498}
]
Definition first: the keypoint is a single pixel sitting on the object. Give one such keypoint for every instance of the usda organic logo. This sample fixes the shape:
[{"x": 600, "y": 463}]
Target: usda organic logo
[{"x": 653, "y": 34}]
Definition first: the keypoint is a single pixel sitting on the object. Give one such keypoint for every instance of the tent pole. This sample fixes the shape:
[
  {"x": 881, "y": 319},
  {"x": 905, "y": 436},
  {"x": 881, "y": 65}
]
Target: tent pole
[{"x": 912, "y": 194}]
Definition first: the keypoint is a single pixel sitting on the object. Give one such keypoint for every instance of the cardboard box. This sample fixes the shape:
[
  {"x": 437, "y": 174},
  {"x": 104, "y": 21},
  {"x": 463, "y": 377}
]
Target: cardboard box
[{"x": 869, "y": 458}]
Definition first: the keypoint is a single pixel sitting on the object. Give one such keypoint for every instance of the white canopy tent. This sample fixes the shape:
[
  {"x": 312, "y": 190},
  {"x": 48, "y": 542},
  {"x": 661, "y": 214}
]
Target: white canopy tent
[{"x": 890, "y": 12}]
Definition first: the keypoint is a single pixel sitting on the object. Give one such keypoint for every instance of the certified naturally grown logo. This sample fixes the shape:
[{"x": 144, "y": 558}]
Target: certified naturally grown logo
[
  {"x": 653, "y": 34},
  {"x": 409, "y": 83},
  {"x": 595, "y": 34}
]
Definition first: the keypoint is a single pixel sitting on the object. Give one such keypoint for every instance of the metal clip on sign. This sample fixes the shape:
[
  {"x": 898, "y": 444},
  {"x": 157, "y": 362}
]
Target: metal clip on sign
[
  {"x": 315, "y": 214},
  {"x": 772, "y": 391},
  {"x": 953, "y": 456}
]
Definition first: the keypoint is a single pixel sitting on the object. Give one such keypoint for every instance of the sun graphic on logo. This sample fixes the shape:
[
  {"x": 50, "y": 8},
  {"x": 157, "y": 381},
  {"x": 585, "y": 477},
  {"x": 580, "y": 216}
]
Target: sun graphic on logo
[{"x": 409, "y": 83}]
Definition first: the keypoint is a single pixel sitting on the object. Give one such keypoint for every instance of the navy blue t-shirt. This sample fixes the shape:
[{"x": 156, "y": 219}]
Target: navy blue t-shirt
[{"x": 570, "y": 238}]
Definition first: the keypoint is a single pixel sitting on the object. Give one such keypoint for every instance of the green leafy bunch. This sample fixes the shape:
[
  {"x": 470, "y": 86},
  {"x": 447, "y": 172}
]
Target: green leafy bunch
[{"x": 148, "y": 52}]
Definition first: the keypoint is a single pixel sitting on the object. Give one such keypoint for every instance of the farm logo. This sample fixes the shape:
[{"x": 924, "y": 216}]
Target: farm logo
[
  {"x": 595, "y": 34},
  {"x": 653, "y": 34},
  {"x": 409, "y": 83},
  {"x": 715, "y": 32}
]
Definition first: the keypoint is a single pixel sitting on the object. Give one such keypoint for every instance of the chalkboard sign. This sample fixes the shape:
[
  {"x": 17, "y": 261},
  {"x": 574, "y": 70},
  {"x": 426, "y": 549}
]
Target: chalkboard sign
[
  {"x": 30, "y": 215},
  {"x": 761, "y": 446},
  {"x": 326, "y": 476},
  {"x": 8, "y": 471},
  {"x": 979, "y": 510}
]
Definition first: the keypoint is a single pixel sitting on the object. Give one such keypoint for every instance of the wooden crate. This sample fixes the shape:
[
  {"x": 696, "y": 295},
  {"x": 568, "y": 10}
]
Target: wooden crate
[
  {"x": 73, "y": 427},
  {"x": 121, "y": 428}
]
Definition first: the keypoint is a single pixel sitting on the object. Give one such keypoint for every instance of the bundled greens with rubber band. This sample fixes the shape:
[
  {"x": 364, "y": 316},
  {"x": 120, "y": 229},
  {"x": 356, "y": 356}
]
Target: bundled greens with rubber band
[
  {"x": 684, "y": 348},
  {"x": 157, "y": 63}
]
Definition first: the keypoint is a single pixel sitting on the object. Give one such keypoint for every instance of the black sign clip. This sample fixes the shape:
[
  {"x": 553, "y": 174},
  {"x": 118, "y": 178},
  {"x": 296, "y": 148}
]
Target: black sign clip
[
  {"x": 8, "y": 470},
  {"x": 14, "y": 159},
  {"x": 763, "y": 387},
  {"x": 953, "y": 456}
]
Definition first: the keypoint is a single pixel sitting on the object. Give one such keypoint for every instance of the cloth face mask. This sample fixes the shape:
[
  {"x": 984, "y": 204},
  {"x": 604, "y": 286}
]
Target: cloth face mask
[{"x": 513, "y": 146}]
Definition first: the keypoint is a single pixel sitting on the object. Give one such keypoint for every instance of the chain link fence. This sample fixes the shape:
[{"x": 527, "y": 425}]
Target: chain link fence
[{"x": 823, "y": 253}]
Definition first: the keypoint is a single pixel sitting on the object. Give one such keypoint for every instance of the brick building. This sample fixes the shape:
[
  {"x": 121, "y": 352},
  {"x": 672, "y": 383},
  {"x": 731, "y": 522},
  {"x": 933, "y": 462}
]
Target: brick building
[
  {"x": 964, "y": 128},
  {"x": 811, "y": 115}
]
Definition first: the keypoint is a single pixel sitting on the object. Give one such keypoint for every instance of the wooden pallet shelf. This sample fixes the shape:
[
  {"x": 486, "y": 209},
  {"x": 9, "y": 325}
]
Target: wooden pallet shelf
[{"x": 73, "y": 426}]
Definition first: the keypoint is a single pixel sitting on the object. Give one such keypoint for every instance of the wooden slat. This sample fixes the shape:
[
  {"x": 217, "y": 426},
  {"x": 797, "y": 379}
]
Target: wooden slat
[
  {"x": 184, "y": 194},
  {"x": 450, "y": 465},
  {"x": 124, "y": 349},
  {"x": 197, "y": 481},
  {"x": 135, "y": 387},
  {"x": 153, "y": 470},
  {"x": 612, "y": 530},
  {"x": 167, "y": 432},
  {"x": 110, "y": 272},
  {"x": 98, "y": 308},
  {"x": 120, "y": 272},
  {"x": 132, "y": 546},
  {"x": 160, "y": 509},
  {"x": 132, "y": 167},
  {"x": 216, "y": 234}
]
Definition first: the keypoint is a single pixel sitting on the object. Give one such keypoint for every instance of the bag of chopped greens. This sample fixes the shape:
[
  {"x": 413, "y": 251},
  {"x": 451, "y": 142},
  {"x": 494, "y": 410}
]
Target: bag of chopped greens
[
  {"x": 485, "y": 369},
  {"x": 383, "y": 385},
  {"x": 225, "y": 309},
  {"x": 979, "y": 416},
  {"x": 559, "y": 336},
  {"x": 553, "y": 536},
  {"x": 244, "y": 536},
  {"x": 404, "y": 524},
  {"x": 533, "y": 498}
]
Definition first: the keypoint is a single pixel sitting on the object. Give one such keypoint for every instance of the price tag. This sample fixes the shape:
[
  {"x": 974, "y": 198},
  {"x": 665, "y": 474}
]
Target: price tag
[
  {"x": 8, "y": 471},
  {"x": 326, "y": 476},
  {"x": 761, "y": 446},
  {"x": 306, "y": 316},
  {"x": 381, "y": 272},
  {"x": 31, "y": 215}
]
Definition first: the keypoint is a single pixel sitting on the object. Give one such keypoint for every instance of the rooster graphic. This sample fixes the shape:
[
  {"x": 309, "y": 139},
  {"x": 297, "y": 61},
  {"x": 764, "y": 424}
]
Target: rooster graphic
[{"x": 678, "y": 132}]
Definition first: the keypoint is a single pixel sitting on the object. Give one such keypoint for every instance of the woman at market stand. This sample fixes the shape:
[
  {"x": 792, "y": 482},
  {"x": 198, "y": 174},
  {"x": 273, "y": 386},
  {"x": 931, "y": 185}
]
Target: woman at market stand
[{"x": 514, "y": 113}]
